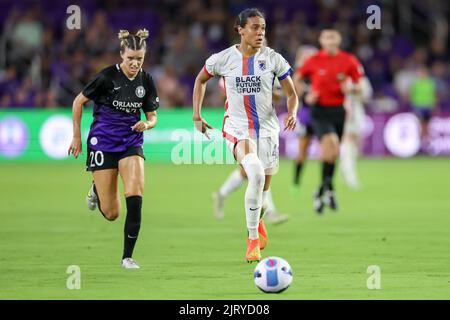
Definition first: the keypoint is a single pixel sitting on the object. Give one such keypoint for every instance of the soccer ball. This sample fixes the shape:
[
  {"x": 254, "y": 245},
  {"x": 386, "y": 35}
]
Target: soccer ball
[{"x": 273, "y": 275}]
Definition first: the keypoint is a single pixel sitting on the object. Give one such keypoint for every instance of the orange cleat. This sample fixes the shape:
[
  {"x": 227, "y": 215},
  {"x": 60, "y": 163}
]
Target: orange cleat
[
  {"x": 253, "y": 252},
  {"x": 263, "y": 238}
]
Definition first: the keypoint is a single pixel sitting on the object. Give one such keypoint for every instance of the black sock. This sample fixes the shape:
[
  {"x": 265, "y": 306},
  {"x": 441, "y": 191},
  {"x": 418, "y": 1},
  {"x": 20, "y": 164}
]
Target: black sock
[
  {"x": 132, "y": 225},
  {"x": 327, "y": 176},
  {"x": 298, "y": 171}
]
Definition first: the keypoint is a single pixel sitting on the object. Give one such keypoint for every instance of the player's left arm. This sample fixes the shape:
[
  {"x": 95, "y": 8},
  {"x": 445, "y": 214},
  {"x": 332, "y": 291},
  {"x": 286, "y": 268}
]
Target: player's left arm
[
  {"x": 292, "y": 103},
  {"x": 149, "y": 123},
  {"x": 277, "y": 91},
  {"x": 149, "y": 106}
]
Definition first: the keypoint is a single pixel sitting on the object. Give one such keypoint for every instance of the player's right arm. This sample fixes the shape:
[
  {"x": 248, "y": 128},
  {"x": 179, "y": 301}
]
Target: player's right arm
[
  {"x": 77, "y": 110},
  {"x": 90, "y": 92},
  {"x": 197, "y": 101},
  {"x": 298, "y": 84}
]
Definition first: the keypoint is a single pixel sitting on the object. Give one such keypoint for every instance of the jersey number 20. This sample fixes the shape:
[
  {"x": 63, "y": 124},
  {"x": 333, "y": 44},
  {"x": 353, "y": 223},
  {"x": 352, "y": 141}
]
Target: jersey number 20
[{"x": 96, "y": 158}]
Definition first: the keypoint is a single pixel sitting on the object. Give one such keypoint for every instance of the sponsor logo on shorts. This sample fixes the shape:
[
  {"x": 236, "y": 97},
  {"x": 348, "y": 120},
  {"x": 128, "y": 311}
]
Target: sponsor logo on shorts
[{"x": 94, "y": 141}]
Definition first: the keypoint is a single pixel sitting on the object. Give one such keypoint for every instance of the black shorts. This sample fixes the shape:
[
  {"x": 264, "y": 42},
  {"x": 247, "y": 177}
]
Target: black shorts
[
  {"x": 327, "y": 119},
  {"x": 101, "y": 160}
]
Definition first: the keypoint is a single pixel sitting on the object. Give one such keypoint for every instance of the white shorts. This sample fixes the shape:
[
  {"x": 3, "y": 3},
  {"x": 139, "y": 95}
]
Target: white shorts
[{"x": 267, "y": 147}]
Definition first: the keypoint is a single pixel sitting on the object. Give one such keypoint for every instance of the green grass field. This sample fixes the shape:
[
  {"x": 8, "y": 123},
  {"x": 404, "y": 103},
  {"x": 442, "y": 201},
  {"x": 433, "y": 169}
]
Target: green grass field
[{"x": 399, "y": 221}]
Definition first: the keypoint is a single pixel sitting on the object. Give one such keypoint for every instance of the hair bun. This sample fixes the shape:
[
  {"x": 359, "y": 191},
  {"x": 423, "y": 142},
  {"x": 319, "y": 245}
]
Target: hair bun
[
  {"x": 123, "y": 34},
  {"x": 142, "y": 33}
]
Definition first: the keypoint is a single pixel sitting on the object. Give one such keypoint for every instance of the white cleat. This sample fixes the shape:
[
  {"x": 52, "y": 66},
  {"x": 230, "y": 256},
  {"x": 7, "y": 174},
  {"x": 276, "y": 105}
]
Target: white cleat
[
  {"x": 352, "y": 182},
  {"x": 274, "y": 217},
  {"x": 91, "y": 199},
  {"x": 218, "y": 205},
  {"x": 350, "y": 178},
  {"x": 129, "y": 263}
]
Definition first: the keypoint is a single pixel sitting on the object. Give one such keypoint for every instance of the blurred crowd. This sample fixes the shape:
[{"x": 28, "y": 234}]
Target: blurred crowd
[{"x": 45, "y": 64}]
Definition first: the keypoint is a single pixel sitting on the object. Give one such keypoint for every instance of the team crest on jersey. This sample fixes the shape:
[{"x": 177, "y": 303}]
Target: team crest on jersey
[
  {"x": 140, "y": 92},
  {"x": 262, "y": 65},
  {"x": 340, "y": 76}
]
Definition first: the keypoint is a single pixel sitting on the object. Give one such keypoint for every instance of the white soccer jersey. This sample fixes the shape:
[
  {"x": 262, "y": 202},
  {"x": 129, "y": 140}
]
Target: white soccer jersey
[{"x": 248, "y": 83}]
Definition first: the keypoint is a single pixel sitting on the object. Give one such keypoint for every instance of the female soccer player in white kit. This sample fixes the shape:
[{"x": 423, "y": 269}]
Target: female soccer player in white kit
[
  {"x": 353, "y": 129},
  {"x": 250, "y": 124}
]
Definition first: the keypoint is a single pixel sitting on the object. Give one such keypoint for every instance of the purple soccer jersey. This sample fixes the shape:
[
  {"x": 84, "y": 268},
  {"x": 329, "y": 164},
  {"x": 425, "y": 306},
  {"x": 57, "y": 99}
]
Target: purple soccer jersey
[{"x": 118, "y": 103}]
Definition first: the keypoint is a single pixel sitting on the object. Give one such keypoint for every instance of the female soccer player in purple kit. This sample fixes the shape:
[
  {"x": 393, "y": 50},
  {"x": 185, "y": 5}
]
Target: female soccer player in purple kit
[{"x": 116, "y": 135}]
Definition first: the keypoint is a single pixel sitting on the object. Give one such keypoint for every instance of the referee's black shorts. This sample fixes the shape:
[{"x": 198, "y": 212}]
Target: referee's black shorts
[{"x": 327, "y": 119}]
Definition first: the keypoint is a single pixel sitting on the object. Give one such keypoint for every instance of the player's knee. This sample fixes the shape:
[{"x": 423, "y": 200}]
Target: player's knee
[
  {"x": 111, "y": 213},
  {"x": 327, "y": 155},
  {"x": 258, "y": 179},
  {"x": 330, "y": 155},
  {"x": 330, "y": 151},
  {"x": 136, "y": 188},
  {"x": 254, "y": 170}
]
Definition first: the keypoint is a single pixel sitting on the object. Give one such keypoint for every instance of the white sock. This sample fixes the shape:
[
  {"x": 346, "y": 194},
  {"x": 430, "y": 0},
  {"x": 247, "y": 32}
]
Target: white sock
[
  {"x": 271, "y": 205},
  {"x": 268, "y": 202},
  {"x": 254, "y": 193},
  {"x": 343, "y": 156},
  {"x": 349, "y": 154},
  {"x": 233, "y": 182},
  {"x": 264, "y": 203},
  {"x": 253, "y": 233}
]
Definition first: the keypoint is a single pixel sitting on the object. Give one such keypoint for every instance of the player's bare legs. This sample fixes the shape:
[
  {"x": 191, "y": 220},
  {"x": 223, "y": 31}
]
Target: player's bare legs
[
  {"x": 246, "y": 156},
  {"x": 329, "y": 153},
  {"x": 106, "y": 189},
  {"x": 131, "y": 170},
  {"x": 329, "y": 147}
]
